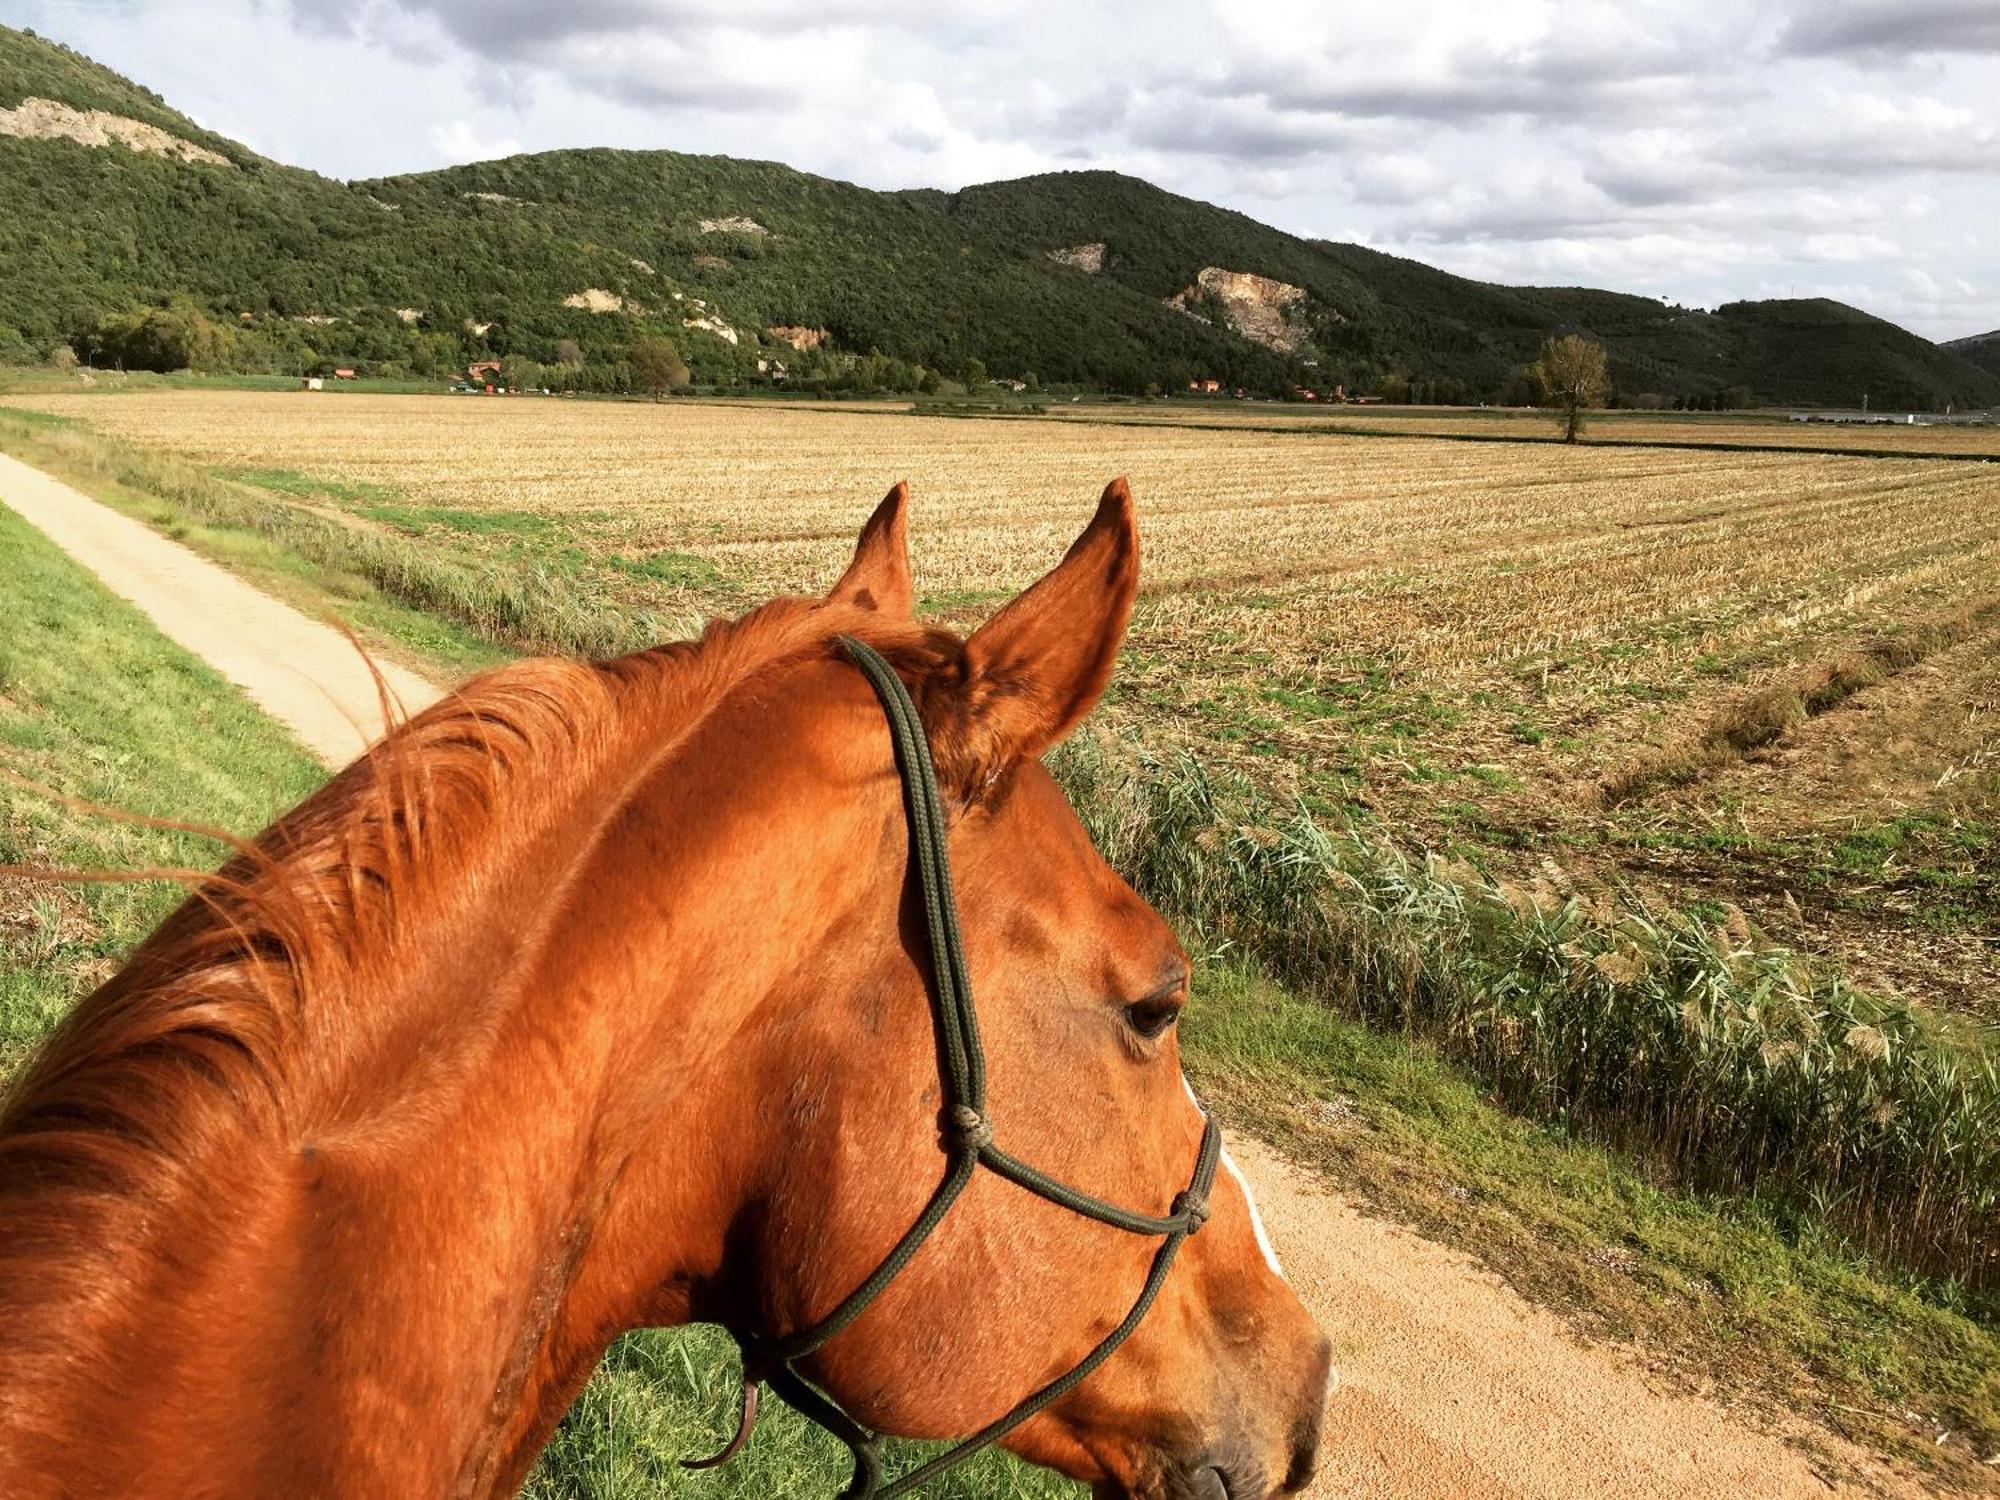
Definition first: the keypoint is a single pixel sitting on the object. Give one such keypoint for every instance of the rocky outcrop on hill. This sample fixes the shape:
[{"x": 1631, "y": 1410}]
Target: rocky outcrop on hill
[
  {"x": 1081, "y": 257},
  {"x": 46, "y": 120},
  {"x": 799, "y": 338},
  {"x": 1262, "y": 310}
]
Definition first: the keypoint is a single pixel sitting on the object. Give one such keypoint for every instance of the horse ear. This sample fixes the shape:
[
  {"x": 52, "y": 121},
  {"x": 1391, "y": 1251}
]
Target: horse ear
[
  {"x": 1037, "y": 667},
  {"x": 879, "y": 576}
]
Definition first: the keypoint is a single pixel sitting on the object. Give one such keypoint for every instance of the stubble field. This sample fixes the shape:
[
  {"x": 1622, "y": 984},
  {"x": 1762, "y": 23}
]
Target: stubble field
[
  {"x": 1765, "y": 680},
  {"x": 1926, "y": 436}
]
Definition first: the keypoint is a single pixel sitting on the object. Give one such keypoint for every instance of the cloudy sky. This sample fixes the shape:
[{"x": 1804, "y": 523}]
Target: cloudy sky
[{"x": 1678, "y": 148}]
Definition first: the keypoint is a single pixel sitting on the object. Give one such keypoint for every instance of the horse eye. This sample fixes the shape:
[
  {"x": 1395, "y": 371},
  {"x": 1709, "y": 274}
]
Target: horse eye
[{"x": 1151, "y": 1018}]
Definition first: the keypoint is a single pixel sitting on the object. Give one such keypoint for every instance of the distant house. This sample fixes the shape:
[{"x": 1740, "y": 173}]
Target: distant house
[
  {"x": 1205, "y": 387},
  {"x": 310, "y": 383},
  {"x": 479, "y": 369},
  {"x": 1865, "y": 418},
  {"x": 343, "y": 375}
]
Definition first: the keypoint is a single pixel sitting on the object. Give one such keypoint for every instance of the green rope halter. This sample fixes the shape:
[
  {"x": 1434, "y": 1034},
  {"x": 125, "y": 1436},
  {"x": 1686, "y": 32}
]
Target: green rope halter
[{"x": 967, "y": 1139}]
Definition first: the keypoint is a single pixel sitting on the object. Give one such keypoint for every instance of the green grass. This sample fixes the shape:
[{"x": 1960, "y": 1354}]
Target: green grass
[
  {"x": 665, "y": 1395},
  {"x": 97, "y": 705},
  {"x": 686, "y": 570},
  {"x": 1970, "y": 844},
  {"x": 418, "y": 519},
  {"x": 305, "y": 486}
]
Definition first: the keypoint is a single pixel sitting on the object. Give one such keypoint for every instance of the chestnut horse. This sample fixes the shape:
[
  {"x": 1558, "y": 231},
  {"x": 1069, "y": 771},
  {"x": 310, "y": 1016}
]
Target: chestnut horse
[{"x": 595, "y": 997}]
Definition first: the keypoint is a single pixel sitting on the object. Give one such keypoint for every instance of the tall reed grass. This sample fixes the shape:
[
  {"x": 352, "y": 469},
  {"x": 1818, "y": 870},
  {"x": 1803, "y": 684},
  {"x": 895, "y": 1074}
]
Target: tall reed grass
[{"x": 1736, "y": 1063}]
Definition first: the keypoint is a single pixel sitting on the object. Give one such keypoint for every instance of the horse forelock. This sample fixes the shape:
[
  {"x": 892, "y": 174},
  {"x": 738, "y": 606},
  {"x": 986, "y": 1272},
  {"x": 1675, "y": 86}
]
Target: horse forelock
[{"x": 230, "y": 1025}]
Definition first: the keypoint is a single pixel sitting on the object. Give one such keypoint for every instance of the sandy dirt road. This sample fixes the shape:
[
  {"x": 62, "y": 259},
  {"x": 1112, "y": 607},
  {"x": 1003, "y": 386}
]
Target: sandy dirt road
[
  {"x": 304, "y": 674},
  {"x": 1453, "y": 1387}
]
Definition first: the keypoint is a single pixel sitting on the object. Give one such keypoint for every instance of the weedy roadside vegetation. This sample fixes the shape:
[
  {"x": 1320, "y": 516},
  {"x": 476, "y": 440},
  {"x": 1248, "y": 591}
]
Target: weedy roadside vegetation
[{"x": 1739, "y": 1064}]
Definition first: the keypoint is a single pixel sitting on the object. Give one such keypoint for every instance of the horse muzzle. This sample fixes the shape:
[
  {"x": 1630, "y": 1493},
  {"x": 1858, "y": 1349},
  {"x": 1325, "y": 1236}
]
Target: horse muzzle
[
  {"x": 1239, "y": 1467},
  {"x": 1232, "y": 1469},
  {"x": 1213, "y": 1476}
]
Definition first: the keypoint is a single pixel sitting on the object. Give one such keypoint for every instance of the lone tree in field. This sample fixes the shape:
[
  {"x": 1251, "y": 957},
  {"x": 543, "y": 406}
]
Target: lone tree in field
[
  {"x": 1571, "y": 377},
  {"x": 657, "y": 367}
]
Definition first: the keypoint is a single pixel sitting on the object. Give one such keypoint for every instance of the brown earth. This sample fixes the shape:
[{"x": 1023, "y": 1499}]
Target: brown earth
[{"x": 1453, "y": 1385}]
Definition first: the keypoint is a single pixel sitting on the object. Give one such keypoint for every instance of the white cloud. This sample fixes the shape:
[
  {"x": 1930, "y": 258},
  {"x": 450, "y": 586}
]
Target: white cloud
[
  {"x": 1396, "y": 177},
  {"x": 457, "y": 141},
  {"x": 1848, "y": 247},
  {"x": 1669, "y": 147}
]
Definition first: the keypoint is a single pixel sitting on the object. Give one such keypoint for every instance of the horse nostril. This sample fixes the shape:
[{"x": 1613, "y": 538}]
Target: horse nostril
[
  {"x": 1226, "y": 1472},
  {"x": 1305, "y": 1434},
  {"x": 1305, "y": 1458}
]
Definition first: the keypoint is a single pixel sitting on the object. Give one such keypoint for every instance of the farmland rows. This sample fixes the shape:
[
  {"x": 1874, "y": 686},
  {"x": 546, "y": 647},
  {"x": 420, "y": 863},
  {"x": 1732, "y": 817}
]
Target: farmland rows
[
  {"x": 1459, "y": 637},
  {"x": 1610, "y": 427}
]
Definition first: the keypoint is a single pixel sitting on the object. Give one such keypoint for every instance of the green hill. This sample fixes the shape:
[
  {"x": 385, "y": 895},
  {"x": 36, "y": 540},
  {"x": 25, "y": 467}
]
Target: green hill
[
  {"x": 558, "y": 262},
  {"x": 1982, "y": 349}
]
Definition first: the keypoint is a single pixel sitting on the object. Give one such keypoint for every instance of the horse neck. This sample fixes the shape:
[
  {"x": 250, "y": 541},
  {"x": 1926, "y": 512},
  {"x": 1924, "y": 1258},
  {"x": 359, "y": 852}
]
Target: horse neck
[
  {"x": 523, "y": 1119},
  {"x": 288, "y": 1260}
]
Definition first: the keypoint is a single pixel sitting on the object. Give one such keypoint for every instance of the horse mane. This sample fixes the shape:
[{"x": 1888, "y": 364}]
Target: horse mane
[{"x": 233, "y": 1021}]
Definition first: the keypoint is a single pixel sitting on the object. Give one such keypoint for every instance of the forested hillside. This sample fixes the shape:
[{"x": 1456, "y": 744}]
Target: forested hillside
[
  {"x": 129, "y": 235},
  {"x": 1982, "y": 349}
]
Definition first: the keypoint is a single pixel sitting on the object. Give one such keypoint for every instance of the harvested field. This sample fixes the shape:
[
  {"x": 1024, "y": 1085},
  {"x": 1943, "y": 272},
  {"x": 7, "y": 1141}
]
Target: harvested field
[
  {"x": 1753, "y": 678},
  {"x": 1517, "y": 424}
]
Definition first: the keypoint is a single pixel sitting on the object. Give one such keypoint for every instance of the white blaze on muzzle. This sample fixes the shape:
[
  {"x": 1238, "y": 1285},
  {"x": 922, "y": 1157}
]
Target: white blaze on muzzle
[{"x": 1249, "y": 1198}]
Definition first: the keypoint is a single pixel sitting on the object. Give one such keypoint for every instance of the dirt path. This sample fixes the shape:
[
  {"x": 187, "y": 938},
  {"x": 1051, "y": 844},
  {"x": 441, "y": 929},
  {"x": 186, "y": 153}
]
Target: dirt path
[
  {"x": 306, "y": 675},
  {"x": 1452, "y": 1385}
]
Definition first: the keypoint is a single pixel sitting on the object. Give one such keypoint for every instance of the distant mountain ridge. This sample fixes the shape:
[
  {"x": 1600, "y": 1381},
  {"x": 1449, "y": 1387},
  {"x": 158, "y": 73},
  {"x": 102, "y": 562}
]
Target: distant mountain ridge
[
  {"x": 1981, "y": 349},
  {"x": 563, "y": 258}
]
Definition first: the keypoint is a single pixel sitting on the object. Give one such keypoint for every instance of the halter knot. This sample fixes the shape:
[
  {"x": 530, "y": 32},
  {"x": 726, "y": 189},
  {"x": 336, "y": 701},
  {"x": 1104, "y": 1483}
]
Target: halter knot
[
  {"x": 1191, "y": 1206},
  {"x": 967, "y": 1129}
]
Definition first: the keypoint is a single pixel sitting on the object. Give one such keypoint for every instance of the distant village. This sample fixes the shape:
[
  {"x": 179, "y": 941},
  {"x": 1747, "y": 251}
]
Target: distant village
[
  {"x": 482, "y": 377},
  {"x": 1336, "y": 397}
]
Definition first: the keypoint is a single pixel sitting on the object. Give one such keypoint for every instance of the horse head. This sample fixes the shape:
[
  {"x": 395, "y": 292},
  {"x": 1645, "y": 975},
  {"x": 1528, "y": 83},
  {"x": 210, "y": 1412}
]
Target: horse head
[{"x": 1079, "y": 985}]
